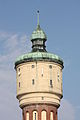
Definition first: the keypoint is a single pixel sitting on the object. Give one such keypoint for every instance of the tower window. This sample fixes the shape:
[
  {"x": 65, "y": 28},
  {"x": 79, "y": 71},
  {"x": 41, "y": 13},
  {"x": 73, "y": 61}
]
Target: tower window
[
  {"x": 50, "y": 66},
  {"x": 43, "y": 115},
  {"x": 42, "y": 98},
  {"x": 19, "y": 69},
  {"x": 51, "y": 116},
  {"x": 35, "y": 116},
  {"x": 32, "y": 81},
  {"x": 51, "y": 83},
  {"x": 42, "y": 72},
  {"x": 19, "y": 73},
  {"x": 19, "y": 84},
  {"x": 27, "y": 116},
  {"x": 33, "y": 66},
  {"x": 58, "y": 77}
]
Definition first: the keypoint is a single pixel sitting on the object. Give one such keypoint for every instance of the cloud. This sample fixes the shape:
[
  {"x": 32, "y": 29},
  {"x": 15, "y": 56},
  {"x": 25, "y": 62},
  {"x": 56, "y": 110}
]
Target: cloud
[
  {"x": 11, "y": 46},
  {"x": 66, "y": 111}
]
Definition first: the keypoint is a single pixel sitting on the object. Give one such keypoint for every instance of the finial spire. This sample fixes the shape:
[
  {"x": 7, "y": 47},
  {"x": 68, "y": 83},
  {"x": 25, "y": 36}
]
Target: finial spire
[
  {"x": 38, "y": 17},
  {"x": 38, "y": 25}
]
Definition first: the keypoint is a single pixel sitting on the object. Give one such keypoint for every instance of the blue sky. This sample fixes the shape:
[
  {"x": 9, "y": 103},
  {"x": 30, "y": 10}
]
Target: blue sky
[{"x": 60, "y": 20}]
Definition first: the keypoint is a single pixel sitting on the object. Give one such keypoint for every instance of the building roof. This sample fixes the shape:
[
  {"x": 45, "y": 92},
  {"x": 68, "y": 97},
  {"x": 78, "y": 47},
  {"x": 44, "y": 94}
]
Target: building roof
[
  {"x": 38, "y": 56},
  {"x": 39, "y": 52},
  {"x": 38, "y": 34}
]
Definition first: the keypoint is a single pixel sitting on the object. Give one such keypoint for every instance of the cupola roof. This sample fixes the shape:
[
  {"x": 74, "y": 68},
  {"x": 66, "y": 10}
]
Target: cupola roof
[
  {"x": 38, "y": 34},
  {"x": 38, "y": 38},
  {"x": 38, "y": 53}
]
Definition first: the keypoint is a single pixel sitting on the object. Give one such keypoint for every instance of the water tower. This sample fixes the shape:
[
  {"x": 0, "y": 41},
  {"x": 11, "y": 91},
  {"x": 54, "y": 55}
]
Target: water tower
[{"x": 39, "y": 80}]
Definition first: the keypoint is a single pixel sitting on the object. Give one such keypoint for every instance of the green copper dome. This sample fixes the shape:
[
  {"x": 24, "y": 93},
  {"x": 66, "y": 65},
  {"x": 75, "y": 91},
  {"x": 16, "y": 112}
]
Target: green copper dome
[
  {"x": 38, "y": 56},
  {"x": 39, "y": 52},
  {"x": 38, "y": 34}
]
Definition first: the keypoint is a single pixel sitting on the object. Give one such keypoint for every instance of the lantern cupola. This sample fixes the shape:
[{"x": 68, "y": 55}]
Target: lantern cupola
[{"x": 38, "y": 38}]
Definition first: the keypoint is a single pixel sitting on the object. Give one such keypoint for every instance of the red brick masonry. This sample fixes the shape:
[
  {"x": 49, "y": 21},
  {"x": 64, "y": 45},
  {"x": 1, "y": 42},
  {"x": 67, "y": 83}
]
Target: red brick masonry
[{"x": 39, "y": 108}]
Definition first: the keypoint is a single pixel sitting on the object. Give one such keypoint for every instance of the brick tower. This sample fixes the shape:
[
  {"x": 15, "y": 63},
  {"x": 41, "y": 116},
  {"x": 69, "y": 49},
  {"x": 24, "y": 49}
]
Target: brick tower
[{"x": 39, "y": 80}]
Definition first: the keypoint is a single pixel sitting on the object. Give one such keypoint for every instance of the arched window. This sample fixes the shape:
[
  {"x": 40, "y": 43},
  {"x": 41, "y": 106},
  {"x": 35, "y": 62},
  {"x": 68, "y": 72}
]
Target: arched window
[
  {"x": 27, "y": 115},
  {"x": 51, "y": 116},
  {"x": 43, "y": 115},
  {"x": 35, "y": 115}
]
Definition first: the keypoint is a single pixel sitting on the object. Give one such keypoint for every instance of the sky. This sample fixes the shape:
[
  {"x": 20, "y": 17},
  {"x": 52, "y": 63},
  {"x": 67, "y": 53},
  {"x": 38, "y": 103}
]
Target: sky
[{"x": 60, "y": 19}]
